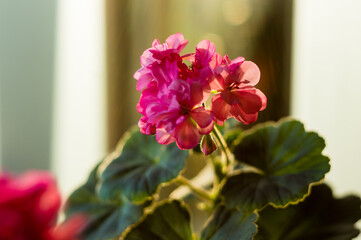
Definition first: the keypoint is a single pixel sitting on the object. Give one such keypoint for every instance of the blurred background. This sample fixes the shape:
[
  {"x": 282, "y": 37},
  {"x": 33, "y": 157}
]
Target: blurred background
[{"x": 67, "y": 92}]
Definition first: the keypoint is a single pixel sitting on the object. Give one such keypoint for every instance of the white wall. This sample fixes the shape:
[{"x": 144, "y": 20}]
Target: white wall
[
  {"x": 1, "y": 155},
  {"x": 79, "y": 108},
  {"x": 327, "y": 83},
  {"x": 27, "y": 33}
]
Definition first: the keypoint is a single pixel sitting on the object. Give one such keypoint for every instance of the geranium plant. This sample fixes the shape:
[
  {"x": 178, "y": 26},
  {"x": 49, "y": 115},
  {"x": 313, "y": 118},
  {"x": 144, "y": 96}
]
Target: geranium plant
[{"x": 260, "y": 183}]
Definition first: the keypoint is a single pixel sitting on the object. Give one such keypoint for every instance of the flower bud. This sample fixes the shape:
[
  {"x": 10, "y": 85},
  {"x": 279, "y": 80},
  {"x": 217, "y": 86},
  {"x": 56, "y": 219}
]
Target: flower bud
[{"x": 207, "y": 145}]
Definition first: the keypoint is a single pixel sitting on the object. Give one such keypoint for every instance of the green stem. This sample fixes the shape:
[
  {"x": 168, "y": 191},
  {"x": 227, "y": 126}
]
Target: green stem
[
  {"x": 219, "y": 171},
  {"x": 223, "y": 145},
  {"x": 199, "y": 191}
]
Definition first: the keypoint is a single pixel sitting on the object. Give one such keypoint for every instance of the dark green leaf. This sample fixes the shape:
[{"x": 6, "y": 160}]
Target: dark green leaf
[
  {"x": 289, "y": 160},
  {"x": 226, "y": 224},
  {"x": 319, "y": 217},
  {"x": 232, "y": 135},
  {"x": 169, "y": 221},
  {"x": 105, "y": 219},
  {"x": 141, "y": 167}
]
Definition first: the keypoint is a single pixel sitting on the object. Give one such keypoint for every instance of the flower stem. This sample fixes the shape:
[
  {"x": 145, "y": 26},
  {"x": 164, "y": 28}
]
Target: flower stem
[
  {"x": 199, "y": 191},
  {"x": 219, "y": 171},
  {"x": 223, "y": 145}
]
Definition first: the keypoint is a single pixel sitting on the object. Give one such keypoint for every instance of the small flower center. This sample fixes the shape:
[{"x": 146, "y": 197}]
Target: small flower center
[
  {"x": 232, "y": 86},
  {"x": 184, "y": 111}
]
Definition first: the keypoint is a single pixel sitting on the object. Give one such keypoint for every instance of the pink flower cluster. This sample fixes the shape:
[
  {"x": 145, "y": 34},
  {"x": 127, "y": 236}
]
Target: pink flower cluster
[
  {"x": 29, "y": 206},
  {"x": 175, "y": 89}
]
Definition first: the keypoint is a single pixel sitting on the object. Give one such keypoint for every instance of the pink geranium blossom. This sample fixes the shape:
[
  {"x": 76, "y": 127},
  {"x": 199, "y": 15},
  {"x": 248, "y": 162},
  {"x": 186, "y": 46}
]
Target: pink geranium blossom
[
  {"x": 174, "y": 92},
  {"x": 29, "y": 206},
  {"x": 238, "y": 98},
  {"x": 170, "y": 50},
  {"x": 172, "y": 110},
  {"x": 201, "y": 71}
]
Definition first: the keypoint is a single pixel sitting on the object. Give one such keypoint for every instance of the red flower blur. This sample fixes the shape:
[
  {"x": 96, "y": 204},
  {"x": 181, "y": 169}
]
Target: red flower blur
[{"x": 29, "y": 206}]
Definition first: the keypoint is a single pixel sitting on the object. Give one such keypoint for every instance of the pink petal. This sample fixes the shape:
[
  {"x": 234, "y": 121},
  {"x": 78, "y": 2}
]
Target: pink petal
[
  {"x": 179, "y": 87},
  {"x": 206, "y": 130},
  {"x": 219, "y": 122},
  {"x": 186, "y": 134},
  {"x": 146, "y": 127},
  {"x": 243, "y": 117},
  {"x": 163, "y": 137},
  {"x": 205, "y": 74},
  {"x": 180, "y": 119},
  {"x": 235, "y": 63},
  {"x": 159, "y": 114},
  {"x": 202, "y": 116},
  {"x": 148, "y": 96},
  {"x": 217, "y": 60},
  {"x": 165, "y": 72},
  {"x": 164, "y": 53},
  {"x": 217, "y": 81},
  {"x": 199, "y": 91},
  {"x": 196, "y": 93},
  {"x": 146, "y": 58},
  {"x": 231, "y": 70},
  {"x": 226, "y": 60},
  {"x": 176, "y": 41},
  {"x": 144, "y": 77},
  {"x": 70, "y": 229},
  {"x": 250, "y": 73},
  {"x": 155, "y": 43},
  {"x": 220, "y": 108},
  {"x": 263, "y": 97},
  {"x": 204, "y": 52},
  {"x": 248, "y": 100},
  {"x": 174, "y": 104},
  {"x": 189, "y": 57},
  {"x": 228, "y": 96}
]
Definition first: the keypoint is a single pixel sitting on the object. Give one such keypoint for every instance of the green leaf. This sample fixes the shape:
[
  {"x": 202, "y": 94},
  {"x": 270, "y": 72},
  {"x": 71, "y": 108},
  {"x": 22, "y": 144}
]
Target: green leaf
[
  {"x": 232, "y": 135},
  {"x": 288, "y": 158},
  {"x": 229, "y": 224},
  {"x": 319, "y": 217},
  {"x": 106, "y": 219},
  {"x": 142, "y": 166},
  {"x": 169, "y": 221}
]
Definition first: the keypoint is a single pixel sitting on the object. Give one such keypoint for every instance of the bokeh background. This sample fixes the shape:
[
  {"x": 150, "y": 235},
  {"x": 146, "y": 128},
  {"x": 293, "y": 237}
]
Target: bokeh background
[{"x": 67, "y": 92}]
